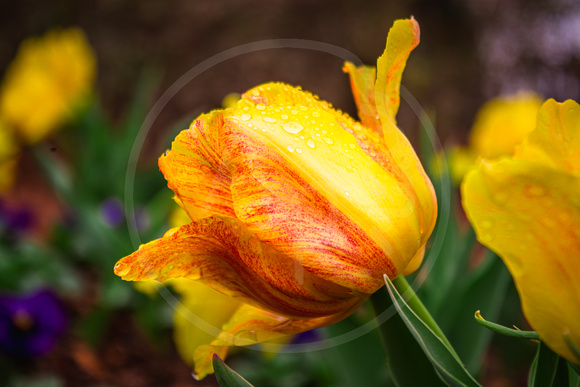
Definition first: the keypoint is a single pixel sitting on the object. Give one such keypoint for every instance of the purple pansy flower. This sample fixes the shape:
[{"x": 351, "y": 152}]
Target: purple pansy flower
[{"x": 30, "y": 324}]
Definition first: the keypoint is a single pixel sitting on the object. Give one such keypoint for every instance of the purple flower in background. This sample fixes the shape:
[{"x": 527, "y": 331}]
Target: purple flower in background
[
  {"x": 15, "y": 220},
  {"x": 112, "y": 212},
  {"x": 30, "y": 324}
]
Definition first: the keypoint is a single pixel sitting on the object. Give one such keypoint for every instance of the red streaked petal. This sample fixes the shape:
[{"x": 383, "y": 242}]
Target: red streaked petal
[
  {"x": 195, "y": 171},
  {"x": 226, "y": 256}
]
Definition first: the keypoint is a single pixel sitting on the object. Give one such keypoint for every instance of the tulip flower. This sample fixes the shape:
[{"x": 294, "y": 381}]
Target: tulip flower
[
  {"x": 296, "y": 209},
  {"x": 526, "y": 208},
  {"x": 47, "y": 80},
  {"x": 500, "y": 125}
]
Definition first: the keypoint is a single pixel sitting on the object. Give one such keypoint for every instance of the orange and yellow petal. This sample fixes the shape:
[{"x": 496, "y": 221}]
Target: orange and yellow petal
[
  {"x": 223, "y": 254},
  {"x": 529, "y": 214},
  {"x": 195, "y": 170},
  {"x": 250, "y": 325}
]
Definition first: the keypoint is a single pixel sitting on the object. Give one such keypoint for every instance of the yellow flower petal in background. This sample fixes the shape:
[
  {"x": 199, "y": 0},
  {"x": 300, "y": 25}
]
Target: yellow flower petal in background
[
  {"x": 503, "y": 123},
  {"x": 47, "y": 80},
  {"x": 527, "y": 210},
  {"x": 500, "y": 125},
  {"x": 297, "y": 209}
]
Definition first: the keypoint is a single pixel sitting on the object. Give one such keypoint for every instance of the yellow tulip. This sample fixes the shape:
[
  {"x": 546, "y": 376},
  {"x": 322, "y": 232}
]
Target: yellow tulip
[
  {"x": 500, "y": 125},
  {"x": 45, "y": 83},
  {"x": 297, "y": 210},
  {"x": 526, "y": 208}
]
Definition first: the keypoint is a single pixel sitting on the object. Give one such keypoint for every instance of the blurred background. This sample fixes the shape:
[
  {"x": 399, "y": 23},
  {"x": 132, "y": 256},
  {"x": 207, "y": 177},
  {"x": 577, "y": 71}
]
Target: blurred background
[{"x": 470, "y": 52}]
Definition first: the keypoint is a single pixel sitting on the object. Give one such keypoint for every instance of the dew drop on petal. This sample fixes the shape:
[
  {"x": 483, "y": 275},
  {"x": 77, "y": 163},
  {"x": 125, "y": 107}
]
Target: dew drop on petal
[
  {"x": 245, "y": 117},
  {"x": 284, "y": 116},
  {"x": 487, "y": 224},
  {"x": 260, "y": 106},
  {"x": 290, "y": 148},
  {"x": 292, "y": 127},
  {"x": 298, "y": 150},
  {"x": 269, "y": 119},
  {"x": 328, "y": 140},
  {"x": 310, "y": 143}
]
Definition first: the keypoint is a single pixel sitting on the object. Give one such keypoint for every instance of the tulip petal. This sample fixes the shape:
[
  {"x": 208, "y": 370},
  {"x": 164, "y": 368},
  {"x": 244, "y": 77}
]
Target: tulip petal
[
  {"x": 225, "y": 255},
  {"x": 362, "y": 81},
  {"x": 195, "y": 172},
  {"x": 403, "y": 37},
  {"x": 556, "y": 141},
  {"x": 250, "y": 325},
  {"x": 199, "y": 316},
  {"x": 529, "y": 215}
]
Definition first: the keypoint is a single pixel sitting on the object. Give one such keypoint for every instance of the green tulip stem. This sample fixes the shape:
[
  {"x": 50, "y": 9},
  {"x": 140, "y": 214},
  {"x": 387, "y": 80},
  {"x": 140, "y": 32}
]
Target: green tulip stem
[{"x": 420, "y": 310}]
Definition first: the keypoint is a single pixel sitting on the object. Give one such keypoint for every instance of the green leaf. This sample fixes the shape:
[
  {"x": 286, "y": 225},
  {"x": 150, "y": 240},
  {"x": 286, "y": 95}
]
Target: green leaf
[
  {"x": 483, "y": 287},
  {"x": 359, "y": 361},
  {"x": 575, "y": 350},
  {"x": 531, "y": 335},
  {"x": 543, "y": 370},
  {"x": 226, "y": 376},
  {"x": 407, "y": 363},
  {"x": 445, "y": 361}
]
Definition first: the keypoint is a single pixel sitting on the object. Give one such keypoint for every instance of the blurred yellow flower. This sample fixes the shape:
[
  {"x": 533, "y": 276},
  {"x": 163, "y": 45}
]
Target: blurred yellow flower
[
  {"x": 297, "y": 210},
  {"x": 499, "y": 126},
  {"x": 48, "y": 79},
  {"x": 526, "y": 208}
]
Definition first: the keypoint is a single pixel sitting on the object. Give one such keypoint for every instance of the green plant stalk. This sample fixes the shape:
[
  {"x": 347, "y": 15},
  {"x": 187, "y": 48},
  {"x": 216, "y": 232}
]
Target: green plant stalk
[
  {"x": 415, "y": 303},
  {"x": 406, "y": 361}
]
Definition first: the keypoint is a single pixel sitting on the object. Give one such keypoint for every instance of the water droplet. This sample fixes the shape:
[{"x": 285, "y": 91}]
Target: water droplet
[
  {"x": 298, "y": 150},
  {"x": 290, "y": 148},
  {"x": 284, "y": 116},
  {"x": 294, "y": 111},
  {"x": 260, "y": 106},
  {"x": 310, "y": 143},
  {"x": 351, "y": 146},
  {"x": 292, "y": 127},
  {"x": 245, "y": 108},
  {"x": 487, "y": 224},
  {"x": 303, "y": 108},
  {"x": 269, "y": 119},
  {"x": 328, "y": 140},
  {"x": 324, "y": 132},
  {"x": 347, "y": 193},
  {"x": 315, "y": 114},
  {"x": 318, "y": 134},
  {"x": 486, "y": 238},
  {"x": 245, "y": 117}
]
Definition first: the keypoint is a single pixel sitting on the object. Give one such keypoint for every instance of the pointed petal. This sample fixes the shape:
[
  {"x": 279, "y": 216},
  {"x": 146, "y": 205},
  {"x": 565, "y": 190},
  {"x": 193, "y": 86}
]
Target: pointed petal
[
  {"x": 402, "y": 39},
  {"x": 529, "y": 215},
  {"x": 556, "y": 141},
  {"x": 250, "y": 325},
  {"x": 225, "y": 255},
  {"x": 362, "y": 81}
]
